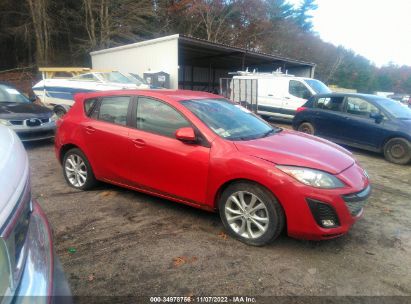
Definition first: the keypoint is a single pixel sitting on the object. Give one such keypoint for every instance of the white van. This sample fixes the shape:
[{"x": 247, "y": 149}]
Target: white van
[{"x": 277, "y": 94}]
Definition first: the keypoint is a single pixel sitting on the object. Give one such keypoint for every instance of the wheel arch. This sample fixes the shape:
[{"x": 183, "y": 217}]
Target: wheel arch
[
  {"x": 65, "y": 148},
  {"x": 226, "y": 184}
]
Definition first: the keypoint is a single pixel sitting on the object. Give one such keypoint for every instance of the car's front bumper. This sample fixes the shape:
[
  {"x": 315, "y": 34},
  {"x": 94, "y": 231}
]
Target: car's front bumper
[
  {"x": 45, "y": 131},
  {"x": 42, "y": 279},
  {"x": 305, "y": 206}
]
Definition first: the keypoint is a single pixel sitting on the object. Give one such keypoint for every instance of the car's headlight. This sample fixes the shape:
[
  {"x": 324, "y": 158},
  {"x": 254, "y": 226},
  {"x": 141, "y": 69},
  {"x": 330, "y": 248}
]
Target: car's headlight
[
  {"x": 5, "y": 122},
  {"x": 312, "y": 177},
  {"x": 54, "y": 117}
]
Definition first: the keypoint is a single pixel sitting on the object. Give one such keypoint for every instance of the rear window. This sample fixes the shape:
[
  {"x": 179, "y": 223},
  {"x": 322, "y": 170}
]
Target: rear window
[{"x": 89, "y": 105}]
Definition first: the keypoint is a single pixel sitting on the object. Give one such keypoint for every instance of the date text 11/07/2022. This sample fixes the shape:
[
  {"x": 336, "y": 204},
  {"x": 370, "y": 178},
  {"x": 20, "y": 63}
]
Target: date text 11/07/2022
[{"x": 203, "y": 299}]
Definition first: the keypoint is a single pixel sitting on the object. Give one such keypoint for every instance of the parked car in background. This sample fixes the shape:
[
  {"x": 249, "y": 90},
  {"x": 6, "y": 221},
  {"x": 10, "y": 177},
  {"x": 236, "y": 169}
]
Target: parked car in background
[
  {"x": 365, "y": 121},
  {"x": 403, "y": 98},
  {"x": 29, "y": 120},
  {"x": 207, "y": 152},
  {"x": 28, "y": 265}
]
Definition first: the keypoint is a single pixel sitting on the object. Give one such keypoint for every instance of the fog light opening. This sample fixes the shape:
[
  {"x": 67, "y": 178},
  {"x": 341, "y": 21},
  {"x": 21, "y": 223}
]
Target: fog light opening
[{"x": 328, "y": 223}]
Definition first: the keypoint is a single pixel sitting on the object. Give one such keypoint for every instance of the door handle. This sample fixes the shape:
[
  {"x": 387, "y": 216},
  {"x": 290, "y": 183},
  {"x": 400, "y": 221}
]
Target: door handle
[
  {"x": 271, "y": 95},
  {"x": 139, "y": 143},
  {"x": 90, "y": 130}
]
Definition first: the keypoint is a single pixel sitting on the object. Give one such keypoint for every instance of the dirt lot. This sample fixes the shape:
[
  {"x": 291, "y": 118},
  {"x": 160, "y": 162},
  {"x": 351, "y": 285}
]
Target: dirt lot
[{"x": 128, "y": 243}]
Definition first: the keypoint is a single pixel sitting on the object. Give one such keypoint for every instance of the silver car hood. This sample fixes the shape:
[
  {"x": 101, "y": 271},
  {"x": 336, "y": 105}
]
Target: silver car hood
[{"x": 14, "y": 172}]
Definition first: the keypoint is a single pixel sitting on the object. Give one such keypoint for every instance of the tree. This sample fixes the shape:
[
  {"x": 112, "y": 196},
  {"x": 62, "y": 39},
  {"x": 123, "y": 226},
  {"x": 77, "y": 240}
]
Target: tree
[
  {"x": 39, "y": 12},
  {"x": 302, "y": 15}
]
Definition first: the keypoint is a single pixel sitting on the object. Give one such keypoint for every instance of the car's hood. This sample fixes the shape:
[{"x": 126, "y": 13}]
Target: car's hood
[
  {"x": 298, "y": 149},
  {"x": 19, "y": 110}
]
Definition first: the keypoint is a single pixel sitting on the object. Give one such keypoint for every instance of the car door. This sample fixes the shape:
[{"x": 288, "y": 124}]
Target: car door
[
  {"x": 329, "y": 118},
  {"x": 361, "y": 129},
  {"x": 298, "y": 94},
  {"x": 106, "y": 134},
  {"x": 159, "y": 161}
]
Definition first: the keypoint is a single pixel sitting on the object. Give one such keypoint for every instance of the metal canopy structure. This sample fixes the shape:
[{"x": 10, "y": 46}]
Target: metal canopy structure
[
  {"x": 202, "y": 63},
  {"x": 199, "y": 52}
]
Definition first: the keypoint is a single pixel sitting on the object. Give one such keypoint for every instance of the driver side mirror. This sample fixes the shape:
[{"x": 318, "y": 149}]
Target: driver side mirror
[
  {"x": 33, "y": 98},
  {"x": 378, "y": 117},
  {"x": 186, "y": 135}
]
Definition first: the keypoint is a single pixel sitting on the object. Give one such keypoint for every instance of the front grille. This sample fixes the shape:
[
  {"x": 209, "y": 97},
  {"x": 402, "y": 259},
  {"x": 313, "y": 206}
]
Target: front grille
[
  {"x": 34, "y": 122},
  {"x": 323, "y": 212},
  {"x": 355, "y": 202},
  {"x": 17, "y": 122}
]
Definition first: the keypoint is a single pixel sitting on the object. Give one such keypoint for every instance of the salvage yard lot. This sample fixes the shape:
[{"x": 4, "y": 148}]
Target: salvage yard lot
[{"x": 128, "y": 243}]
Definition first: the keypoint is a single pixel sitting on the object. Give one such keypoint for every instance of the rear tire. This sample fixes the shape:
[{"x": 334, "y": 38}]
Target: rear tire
[
  {"x": 77, "y": 170},
  {"x": 60, "y": 111},
  {"x": 250, "y": 213},
  {"x": 307, "y": 128},
  {"x": 398, "y": 151}
]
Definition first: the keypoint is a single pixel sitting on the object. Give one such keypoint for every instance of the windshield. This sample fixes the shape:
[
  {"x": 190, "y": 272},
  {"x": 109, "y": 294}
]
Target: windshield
[
  {"x": 137, "y": 79},
  {"x": 115, "y": 77},
  {"x": 228, "y": 120},
  {"x": 8, "y": 94},
  {"x": 318, "y": 86},
  {"x": 395, "y": 108}
]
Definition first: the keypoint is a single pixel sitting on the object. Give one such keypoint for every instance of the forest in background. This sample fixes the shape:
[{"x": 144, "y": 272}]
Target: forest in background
[{"x": 62, "y": 33}]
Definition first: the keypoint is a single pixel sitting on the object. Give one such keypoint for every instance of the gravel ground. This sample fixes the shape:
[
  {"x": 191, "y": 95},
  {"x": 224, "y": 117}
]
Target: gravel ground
[{"x": 128, "y": 243}]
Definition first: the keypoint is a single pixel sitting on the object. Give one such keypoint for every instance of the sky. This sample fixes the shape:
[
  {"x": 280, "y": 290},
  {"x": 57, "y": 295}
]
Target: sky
[{"x": 379, "y": 30}]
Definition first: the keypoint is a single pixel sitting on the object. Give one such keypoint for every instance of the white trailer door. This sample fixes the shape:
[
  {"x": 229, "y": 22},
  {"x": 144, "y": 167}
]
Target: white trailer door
[{"x": 270, "y": 96}]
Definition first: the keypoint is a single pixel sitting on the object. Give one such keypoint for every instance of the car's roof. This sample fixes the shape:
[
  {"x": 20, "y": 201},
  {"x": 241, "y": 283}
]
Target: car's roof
[
  {"x": 365, "y": 96},
  {"x": 174, "y": 95}
]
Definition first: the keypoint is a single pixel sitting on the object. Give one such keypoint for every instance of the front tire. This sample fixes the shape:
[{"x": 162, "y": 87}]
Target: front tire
[
  {"x": 77, "y": 170},
  {"x": 398, "y": 151},
  {"x": 307, "y": 128},
  {"x": 251, "y": 214}
]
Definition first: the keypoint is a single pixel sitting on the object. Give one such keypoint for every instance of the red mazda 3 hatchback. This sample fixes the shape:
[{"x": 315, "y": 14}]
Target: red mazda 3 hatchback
[{"x": 207, "y": 152}]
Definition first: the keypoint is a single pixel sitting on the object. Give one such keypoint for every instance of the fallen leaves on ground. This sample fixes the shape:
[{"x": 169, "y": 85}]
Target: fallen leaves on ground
[
  {"x": 108, "y": 193},
  {"x": 91, "y": 277},
  {"x": 179, "y": 261},
  {"x": 223, "y": 235}
]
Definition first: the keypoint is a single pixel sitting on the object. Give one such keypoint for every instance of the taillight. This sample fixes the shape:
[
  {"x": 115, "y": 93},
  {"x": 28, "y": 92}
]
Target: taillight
[{"x": 300, "y": 109}]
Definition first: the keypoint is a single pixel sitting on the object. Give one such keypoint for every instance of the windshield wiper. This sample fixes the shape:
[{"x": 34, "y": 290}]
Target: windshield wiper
[{"x": 272, "y": 131}]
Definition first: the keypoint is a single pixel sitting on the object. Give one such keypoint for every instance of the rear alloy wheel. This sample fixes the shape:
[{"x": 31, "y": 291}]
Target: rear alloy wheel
[
  {"x": 77, "y": 170},
  {"x": 398, "y": 151},
  {"x": 306, "y": 127},
  {"x": 251, "y": 214}
]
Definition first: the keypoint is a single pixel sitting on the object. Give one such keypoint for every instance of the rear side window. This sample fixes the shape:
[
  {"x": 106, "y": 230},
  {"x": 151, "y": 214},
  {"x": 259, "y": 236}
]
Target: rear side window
[
  {"x": 89, "y": 105},
  {"x": 157, "y": 117},
  {"x": 330, "y": 103},
  {"x": 298, "y": 89},
  {"x": 114, "y": 109}
]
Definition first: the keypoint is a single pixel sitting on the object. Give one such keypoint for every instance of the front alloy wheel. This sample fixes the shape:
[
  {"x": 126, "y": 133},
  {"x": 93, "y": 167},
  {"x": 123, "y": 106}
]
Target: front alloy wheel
[
  {"x": 246, "y": 215},
  {"x": 251, "y": 213}
]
